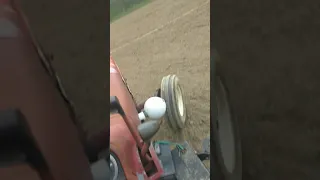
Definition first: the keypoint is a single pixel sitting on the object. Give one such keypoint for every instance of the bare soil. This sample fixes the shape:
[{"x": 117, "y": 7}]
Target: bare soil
[{"x": 157, "y": 40}]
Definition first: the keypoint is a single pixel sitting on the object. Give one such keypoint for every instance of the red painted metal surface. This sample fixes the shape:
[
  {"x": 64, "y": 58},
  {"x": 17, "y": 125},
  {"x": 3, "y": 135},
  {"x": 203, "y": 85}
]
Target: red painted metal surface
[
  {"x": 125, "y": 140},
  {"x": 25, "y": 85}
]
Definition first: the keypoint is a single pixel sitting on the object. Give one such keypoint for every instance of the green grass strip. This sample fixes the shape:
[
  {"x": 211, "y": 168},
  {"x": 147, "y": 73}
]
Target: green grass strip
[{"x": 115, "y": 15}]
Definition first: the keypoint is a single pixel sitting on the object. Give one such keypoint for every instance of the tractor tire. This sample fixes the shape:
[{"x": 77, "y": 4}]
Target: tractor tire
[
  {"x": 172, "y": 93},
  {"x": 226, "y": 161}
]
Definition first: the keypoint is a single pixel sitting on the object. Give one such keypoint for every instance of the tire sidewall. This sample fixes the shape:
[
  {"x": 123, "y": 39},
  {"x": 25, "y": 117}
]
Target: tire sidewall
[
  {"x": 219, "y": 171},
  {"x": 169, "y": 84}
]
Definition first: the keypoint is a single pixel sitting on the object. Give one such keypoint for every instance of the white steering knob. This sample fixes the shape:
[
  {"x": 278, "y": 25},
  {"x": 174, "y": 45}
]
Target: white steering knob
[{"x": 155, "y": 107}]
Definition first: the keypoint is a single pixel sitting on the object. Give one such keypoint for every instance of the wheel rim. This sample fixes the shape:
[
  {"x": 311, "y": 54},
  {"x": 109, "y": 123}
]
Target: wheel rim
[
  {"x": 225, "y": 128},
  {"x": 114, "y": 167},
  {"x": 180, "y": 101}
]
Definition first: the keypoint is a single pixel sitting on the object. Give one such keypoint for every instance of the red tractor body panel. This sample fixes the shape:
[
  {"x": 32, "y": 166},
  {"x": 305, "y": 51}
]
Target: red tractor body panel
[
  {"x": 119, "y": 88},
  {"x": 26, "y": 86},
  {"x": 123, "y": 141}
]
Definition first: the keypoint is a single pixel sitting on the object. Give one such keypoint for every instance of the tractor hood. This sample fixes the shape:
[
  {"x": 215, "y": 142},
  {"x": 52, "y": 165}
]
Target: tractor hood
[{"x": 119, "y": 88}]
